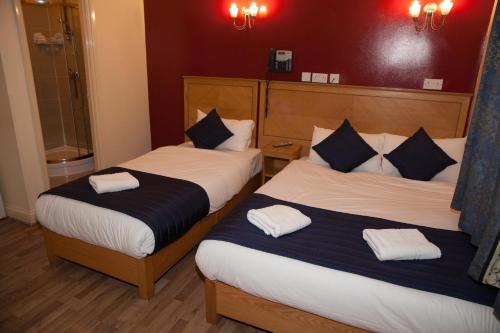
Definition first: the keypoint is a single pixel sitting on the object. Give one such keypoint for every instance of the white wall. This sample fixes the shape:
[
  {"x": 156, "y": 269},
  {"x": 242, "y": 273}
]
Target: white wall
[
  {"x": 11, "y": 176},
  {"x": 116, "y": 71},
  {"x": 23, "y": 173}
]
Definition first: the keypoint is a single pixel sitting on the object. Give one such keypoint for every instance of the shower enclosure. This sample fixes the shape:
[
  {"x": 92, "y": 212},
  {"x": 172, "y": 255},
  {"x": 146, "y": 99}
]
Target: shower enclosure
[{"x": 55, "y": 44}]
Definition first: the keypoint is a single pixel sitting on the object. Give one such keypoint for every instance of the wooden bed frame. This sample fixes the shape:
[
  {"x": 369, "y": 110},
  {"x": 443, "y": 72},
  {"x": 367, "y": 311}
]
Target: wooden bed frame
[
  {"x": 235, "y": 99},
  {"x": 295, "y": 108},
  {"x": 292, "y": 111},
  {"x": 224, "y": 300},
  {"x": 144, "y": 272}
]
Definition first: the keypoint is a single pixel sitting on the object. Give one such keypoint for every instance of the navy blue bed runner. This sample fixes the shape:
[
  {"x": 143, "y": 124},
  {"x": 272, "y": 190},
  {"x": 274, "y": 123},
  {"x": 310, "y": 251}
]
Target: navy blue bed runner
[
  {"x": 334, "y": 240},
  {"x": 169, "y": 206}
]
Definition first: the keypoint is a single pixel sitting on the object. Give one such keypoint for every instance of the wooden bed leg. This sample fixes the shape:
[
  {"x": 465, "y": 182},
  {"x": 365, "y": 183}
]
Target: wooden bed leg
[
  {"x": 211, "y": 302},
  {"x": 53, "y": 259},
  {"x": 145, "y": 278}
]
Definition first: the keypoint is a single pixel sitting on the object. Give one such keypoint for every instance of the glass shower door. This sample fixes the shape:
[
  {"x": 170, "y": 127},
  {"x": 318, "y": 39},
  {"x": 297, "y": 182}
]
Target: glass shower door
[
  {"x": 79, "y": 135},
  {"x": 55, "y": 42}
]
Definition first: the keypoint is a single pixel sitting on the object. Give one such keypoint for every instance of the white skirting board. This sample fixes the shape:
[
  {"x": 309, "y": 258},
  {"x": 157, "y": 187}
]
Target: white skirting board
[
  {"x": 21, "y": 214},
  {"x": 2, "y": 209}
]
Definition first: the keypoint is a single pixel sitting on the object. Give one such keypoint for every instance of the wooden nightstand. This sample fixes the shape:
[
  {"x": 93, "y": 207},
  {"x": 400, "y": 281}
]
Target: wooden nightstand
[{"x": 276, "y": 158}]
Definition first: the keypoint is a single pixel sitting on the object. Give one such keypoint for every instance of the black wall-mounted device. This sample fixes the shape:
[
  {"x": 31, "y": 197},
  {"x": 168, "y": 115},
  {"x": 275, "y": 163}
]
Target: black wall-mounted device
[{"x": 280, "y": 61}]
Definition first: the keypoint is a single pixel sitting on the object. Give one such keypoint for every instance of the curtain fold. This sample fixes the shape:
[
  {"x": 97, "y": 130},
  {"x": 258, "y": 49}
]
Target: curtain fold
[{"x": 477, "y": 193}]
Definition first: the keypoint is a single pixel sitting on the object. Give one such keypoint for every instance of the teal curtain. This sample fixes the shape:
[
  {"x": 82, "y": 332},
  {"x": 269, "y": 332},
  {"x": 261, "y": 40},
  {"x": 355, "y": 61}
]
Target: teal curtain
[{"x": 477, "y": 193}]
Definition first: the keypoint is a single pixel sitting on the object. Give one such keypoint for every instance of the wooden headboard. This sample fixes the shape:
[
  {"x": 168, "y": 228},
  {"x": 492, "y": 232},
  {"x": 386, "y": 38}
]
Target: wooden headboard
[
  {"x": 233, "y": 99},
  {"x": 294, "y": 108}
]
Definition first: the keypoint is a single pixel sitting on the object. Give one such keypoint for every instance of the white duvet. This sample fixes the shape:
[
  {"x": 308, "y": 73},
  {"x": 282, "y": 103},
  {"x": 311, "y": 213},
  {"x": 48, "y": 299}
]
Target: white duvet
[
  {"x": 222, "y": 174},
  {"x": 349, "y": 298}
]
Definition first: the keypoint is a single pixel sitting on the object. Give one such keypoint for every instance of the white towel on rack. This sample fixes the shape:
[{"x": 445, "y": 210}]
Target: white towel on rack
[
  {"x": 57, "y": 39},
  {"x": 278, "y": 220},
  {"x": 39, "y": 38},
  {"x": 400, "y": 244},
  {"x": 113, "y": 182}
]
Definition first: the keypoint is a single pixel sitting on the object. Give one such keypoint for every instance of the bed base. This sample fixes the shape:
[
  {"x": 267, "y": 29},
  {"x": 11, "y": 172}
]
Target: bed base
[
  {"x": 224, "y": 300},
  {"x": 144, "y": 272}
]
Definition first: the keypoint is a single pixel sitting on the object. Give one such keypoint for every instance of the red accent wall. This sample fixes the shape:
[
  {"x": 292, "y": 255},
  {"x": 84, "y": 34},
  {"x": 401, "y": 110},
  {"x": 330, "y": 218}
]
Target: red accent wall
[{"x": 369, "y": 42}]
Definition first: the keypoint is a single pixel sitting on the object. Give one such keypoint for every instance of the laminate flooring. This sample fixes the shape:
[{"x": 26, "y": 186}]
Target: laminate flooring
[{"x": 66, "y": 297}]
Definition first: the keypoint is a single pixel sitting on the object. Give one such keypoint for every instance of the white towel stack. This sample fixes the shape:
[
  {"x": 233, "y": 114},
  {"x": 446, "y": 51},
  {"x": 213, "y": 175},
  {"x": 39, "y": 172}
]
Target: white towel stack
[
  {"x": 57, "y": 39},
  {"x": 39, "y": 38},
  {"x": 113, "y": 182},
  {"x": 400, "y": 244},
  {"x": 278, "y": 220}
]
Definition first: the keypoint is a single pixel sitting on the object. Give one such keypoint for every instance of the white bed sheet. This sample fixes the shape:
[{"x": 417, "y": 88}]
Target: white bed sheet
[
  {"x": 222, "y": 174},
  {"x": 353, "y": 299},
  {"x": 363, "y": 193}
]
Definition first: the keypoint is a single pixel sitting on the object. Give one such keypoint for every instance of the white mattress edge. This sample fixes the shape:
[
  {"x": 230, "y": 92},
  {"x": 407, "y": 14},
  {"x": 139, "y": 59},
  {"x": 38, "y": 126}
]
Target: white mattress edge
[{"x": 319, "y": 284}]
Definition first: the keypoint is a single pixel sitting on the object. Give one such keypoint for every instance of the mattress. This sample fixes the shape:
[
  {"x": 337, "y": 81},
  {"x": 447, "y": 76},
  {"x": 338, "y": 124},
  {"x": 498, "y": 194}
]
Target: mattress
[
  {"x": 222, "y": 174},
  {"x": 349, "y": 298}
]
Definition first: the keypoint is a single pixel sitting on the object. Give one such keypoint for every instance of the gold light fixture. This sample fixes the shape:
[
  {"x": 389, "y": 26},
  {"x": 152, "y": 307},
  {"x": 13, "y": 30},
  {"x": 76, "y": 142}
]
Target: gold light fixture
[
  {"x": 429, "y": 18},
  {"x": 249, "y": 15}
]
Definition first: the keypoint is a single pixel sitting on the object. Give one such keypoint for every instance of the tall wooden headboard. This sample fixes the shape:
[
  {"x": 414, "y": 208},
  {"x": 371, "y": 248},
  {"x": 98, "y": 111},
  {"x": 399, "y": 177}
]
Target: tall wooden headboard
[
  {"x": 233, "y": 99},
  {"x": 295, "y": 108}
]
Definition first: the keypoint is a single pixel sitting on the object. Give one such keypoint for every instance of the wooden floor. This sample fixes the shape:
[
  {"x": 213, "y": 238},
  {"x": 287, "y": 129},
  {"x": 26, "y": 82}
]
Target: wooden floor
[{"x": 36, "y": 297}]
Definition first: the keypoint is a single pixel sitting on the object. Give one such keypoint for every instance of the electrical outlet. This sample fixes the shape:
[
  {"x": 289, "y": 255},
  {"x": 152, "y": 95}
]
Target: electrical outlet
[
  {"x": 320, "y": 78},
  {"x": 433, "y": 84},
  {"x": 334, "y": 78},
  {"x": 306, "y": 76}
]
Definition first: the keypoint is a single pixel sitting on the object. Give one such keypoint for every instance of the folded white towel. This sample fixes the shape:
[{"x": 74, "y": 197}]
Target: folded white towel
[
  {"x": 278, "y": 220},
  {"x": 113, "y": 182},
  {"x": 400, "y": 244},
  {"x": 39, "y": 37}
]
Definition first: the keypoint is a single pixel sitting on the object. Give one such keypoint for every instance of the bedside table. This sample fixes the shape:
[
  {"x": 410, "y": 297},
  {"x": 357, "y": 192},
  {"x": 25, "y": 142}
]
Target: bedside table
[{"x": 276, "y": 158}]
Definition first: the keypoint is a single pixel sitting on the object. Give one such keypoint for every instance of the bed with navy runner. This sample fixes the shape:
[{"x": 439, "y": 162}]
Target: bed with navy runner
[
  {"x": 334, "y": 240},
  {"x": 169, "y": 206}
]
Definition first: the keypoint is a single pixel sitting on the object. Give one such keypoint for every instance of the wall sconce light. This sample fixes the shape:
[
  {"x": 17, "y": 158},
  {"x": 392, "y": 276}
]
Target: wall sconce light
[
  {"x": 429, "y": 10},
  {"x": 249, "y": 14}
]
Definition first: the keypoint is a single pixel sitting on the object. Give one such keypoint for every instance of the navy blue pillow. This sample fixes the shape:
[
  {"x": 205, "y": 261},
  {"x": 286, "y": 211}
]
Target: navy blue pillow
[
  {"x": 209, "y": 132},
  {"x": 344, "y": 149},
  {"x": 419, "y": 158}
]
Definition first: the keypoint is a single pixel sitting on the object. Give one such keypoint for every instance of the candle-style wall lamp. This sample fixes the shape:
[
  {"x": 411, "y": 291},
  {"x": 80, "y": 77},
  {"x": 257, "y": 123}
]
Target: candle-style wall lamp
[
  {"x": 249, "y": 15},
  {"x": 429, "y": 18}
]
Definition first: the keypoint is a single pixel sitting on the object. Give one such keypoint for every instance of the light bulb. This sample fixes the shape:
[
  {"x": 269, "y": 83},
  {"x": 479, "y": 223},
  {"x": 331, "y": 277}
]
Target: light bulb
[
  {"x": 263, "y": 10},
  {"x": 254, "y": 9},
  {"x": 415, "y": 9},
  {"x": 430, "y": 8},
  {"x": 445, "y": 7},
  {"x": 233, "y": 10}
]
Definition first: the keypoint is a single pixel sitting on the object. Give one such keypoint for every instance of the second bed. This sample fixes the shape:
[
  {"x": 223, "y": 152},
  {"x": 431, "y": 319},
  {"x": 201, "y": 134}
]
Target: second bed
[{"x": 342, "y": 296}]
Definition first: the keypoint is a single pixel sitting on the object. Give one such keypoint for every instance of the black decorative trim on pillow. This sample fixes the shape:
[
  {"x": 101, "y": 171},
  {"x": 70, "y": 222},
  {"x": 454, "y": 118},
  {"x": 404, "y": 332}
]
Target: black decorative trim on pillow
[
  {"x": 419, "y": 157},
  {"x": 344, "y": 149},
  {"x": 209, "y": 132}
]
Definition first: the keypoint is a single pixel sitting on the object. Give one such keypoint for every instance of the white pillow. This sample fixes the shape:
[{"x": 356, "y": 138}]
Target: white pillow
[
  {"x": 455, "y": 149},
  {"x": 242, "y": 130},
  {"x": 391, "y": 142},
  {"x": 376, "y": 141},
  {"x": 452, "y": 147}
]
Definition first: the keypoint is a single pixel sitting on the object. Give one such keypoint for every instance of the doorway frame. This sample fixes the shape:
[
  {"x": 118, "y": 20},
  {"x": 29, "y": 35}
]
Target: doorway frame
[
  {"x": 86, "y": 16},
  {"x": 87, "y": 22}
]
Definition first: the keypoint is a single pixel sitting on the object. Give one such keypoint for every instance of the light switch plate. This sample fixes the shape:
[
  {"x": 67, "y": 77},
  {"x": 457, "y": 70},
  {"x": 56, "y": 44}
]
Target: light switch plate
[
  {"x": 433, "y": 84},
  {"x": 320, "y": 78},
  {"x": 334, "y": 78},
  {"x": 306, "y": 76}
]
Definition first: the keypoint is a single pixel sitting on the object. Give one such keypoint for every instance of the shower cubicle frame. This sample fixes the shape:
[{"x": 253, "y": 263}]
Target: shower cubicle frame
[
  {"x": 76, "y": 86},
  {"x": 88, "y": 52}
]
